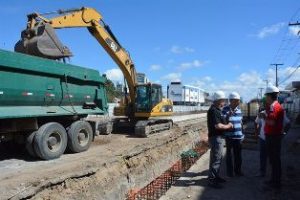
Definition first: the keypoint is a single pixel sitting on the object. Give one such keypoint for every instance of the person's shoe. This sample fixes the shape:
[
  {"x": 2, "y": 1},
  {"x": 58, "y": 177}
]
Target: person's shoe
[
  {"x": 214, "y": 184},
  {"x": 220, "y": 180}
]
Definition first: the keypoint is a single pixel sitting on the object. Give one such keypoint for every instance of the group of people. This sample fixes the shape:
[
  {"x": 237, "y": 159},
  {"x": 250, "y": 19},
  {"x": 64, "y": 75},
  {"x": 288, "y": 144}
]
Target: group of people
[{"x": 225, "y": 125}]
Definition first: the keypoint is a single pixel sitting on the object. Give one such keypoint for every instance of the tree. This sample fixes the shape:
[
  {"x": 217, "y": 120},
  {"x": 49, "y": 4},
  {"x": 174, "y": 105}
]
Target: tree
[{"x": 111, "y": 91}]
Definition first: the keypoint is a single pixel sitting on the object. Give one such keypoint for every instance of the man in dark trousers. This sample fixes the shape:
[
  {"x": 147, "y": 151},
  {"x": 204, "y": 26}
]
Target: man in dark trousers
[
  {"x": 216, "y": 126},
  {"x": 273, "y": 116},
  {"x": 235, "y": 136}
]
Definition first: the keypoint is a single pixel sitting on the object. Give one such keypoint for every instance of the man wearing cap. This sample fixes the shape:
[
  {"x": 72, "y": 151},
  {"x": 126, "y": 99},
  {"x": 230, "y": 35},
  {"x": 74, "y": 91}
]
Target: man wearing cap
[
  {"x": 273, "y": 130},
  {"x": 216, "y": 127},
  {"x": 234, "y": 137}
]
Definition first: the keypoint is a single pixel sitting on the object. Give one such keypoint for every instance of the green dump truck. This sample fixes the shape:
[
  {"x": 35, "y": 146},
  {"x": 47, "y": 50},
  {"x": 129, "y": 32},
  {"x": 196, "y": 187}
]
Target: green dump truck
[{"x": 49, "y": 105}]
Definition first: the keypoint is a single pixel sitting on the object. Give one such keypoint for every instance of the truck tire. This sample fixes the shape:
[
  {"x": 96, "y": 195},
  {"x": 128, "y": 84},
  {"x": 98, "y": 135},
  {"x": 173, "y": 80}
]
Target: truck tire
[
  {"x": 80, "y": 135},
  {"x": 29, "y": 144},
  {"x": 50, "y": 141}
]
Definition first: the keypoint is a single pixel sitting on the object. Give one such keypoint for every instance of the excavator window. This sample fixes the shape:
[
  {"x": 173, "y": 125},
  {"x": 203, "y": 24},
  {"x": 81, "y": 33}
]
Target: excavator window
[
  {"x": 156, "y": 95},
  {"x": 148, "y": 96},
  {"x": 143, "y": 103}
]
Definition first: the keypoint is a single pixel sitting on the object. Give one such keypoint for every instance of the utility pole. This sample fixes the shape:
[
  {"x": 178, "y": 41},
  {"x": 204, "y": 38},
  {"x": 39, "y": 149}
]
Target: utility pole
[
  {"x": 260, "y": 92},
  {"x": 276, "y": 69},
  {"x": 295, "y": 24},
  {"x": 267, "y": 82}
]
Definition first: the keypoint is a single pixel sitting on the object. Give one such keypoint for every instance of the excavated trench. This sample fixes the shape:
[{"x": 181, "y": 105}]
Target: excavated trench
[{"x": 133, "y": 169}]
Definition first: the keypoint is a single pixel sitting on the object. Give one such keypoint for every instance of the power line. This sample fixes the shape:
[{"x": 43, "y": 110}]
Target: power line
[
  {"x": 290, "y": 75},
  {"x": 297, "y": 61},
  {"x": 285, "y": 42},
  {"x": 287, "y": 46}
]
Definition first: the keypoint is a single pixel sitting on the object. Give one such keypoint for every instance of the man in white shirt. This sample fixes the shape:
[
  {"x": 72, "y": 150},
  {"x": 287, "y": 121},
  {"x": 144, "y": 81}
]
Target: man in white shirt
[{"x": 260, "y": 124}]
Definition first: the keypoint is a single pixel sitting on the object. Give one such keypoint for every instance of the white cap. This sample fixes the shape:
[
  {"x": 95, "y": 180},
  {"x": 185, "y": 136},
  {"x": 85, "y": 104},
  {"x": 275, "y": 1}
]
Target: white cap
[
  {"x": 218, "y": 95},
  {"x": 271, "y": 89},
  {"x": 234, "y": 95}
]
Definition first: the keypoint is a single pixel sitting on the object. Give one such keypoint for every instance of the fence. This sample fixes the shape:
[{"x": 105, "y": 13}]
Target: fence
[
  {"x": 159, "y": 186},
  {"x": 176, "y": 108}
]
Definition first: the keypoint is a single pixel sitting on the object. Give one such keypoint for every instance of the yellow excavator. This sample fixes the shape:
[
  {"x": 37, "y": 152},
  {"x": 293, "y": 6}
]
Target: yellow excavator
[{"x": 144, "y": 108}]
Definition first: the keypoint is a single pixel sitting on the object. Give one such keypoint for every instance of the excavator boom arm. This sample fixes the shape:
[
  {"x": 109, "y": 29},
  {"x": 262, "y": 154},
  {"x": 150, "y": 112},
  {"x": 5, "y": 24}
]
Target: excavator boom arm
[{"x": 91, "y": 19}]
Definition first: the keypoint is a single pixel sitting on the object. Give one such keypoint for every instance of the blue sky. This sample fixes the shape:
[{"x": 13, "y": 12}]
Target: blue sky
[{"x": 213, "y": 44}]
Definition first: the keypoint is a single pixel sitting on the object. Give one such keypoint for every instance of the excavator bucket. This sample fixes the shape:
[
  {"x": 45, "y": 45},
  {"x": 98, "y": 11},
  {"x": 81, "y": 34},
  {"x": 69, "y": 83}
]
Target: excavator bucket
[{"x": 42, "y": 41}]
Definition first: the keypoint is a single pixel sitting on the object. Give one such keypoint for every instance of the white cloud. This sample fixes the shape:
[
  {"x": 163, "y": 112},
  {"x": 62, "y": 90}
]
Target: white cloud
[
  {"x": 114, "y": 74},
  {"x": 175, "y": 49},
  {"x": 207, "y": 78},
  {"x": 199, "y": 83},
  {"x": 250, "y": 78},
  {"x": 246, "y": 84},
  {"x": 172, "y": 77},
  {"x": 202, "y": 82},
  {"x": 188, "y": 49},
  {"x": 178, "y": 50},
  {"x": 189, "y": 65},
  {"x": 294, "y": 30},
  {"x": 270, "y": 30},
  {"x": 155, "y": 67}
]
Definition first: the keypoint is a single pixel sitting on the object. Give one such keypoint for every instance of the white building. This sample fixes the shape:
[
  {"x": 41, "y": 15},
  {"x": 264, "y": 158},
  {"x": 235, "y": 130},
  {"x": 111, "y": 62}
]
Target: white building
[
  {"x": 141, "y": 78},
  {"x": 185, "y": 94}
]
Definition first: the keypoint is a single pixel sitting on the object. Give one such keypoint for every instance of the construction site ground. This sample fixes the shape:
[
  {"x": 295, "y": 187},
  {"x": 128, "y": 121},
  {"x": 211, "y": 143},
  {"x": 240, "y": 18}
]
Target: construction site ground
[
  {"x": 193, "y": 184},
  {"x": 112, "y": 166}
]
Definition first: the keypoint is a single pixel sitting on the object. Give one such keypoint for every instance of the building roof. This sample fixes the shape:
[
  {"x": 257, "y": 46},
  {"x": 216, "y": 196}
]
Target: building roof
[{"x": 294, "y": 85}]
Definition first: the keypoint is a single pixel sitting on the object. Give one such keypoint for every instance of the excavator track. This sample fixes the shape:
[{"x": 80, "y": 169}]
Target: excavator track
[{"x": 143, "y": 128}]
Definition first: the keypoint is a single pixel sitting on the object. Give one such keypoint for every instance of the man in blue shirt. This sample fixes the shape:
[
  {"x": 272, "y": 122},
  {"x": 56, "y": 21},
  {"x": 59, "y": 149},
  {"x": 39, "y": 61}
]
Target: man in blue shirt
[{"x": 234, "y": 137}]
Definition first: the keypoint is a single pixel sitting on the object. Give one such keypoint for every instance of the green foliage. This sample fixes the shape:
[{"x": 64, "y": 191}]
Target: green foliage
[
  {"x": 112, "y": 93},
  {"x": 189, "y": 154}
]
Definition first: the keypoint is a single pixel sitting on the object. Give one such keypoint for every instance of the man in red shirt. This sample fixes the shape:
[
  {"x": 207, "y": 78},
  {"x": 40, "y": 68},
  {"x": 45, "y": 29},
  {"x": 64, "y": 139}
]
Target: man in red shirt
[{"x": 273, "y": 130}]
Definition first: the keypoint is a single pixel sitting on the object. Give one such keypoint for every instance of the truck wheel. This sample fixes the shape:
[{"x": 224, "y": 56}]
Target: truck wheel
[
  {"x": 50, "y": 141},
  {"x": 80, "y": 135},
  {"x": 29, "y": 144}
]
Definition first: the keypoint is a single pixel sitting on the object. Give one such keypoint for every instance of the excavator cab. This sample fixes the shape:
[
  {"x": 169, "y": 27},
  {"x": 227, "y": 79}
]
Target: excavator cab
[
  {"x": 42, "y": 41},
  {"x": 148, "y": 96}
]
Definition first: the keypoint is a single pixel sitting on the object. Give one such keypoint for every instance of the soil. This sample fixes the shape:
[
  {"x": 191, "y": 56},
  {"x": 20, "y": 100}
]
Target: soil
[{"x": 112, "y": 166}]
